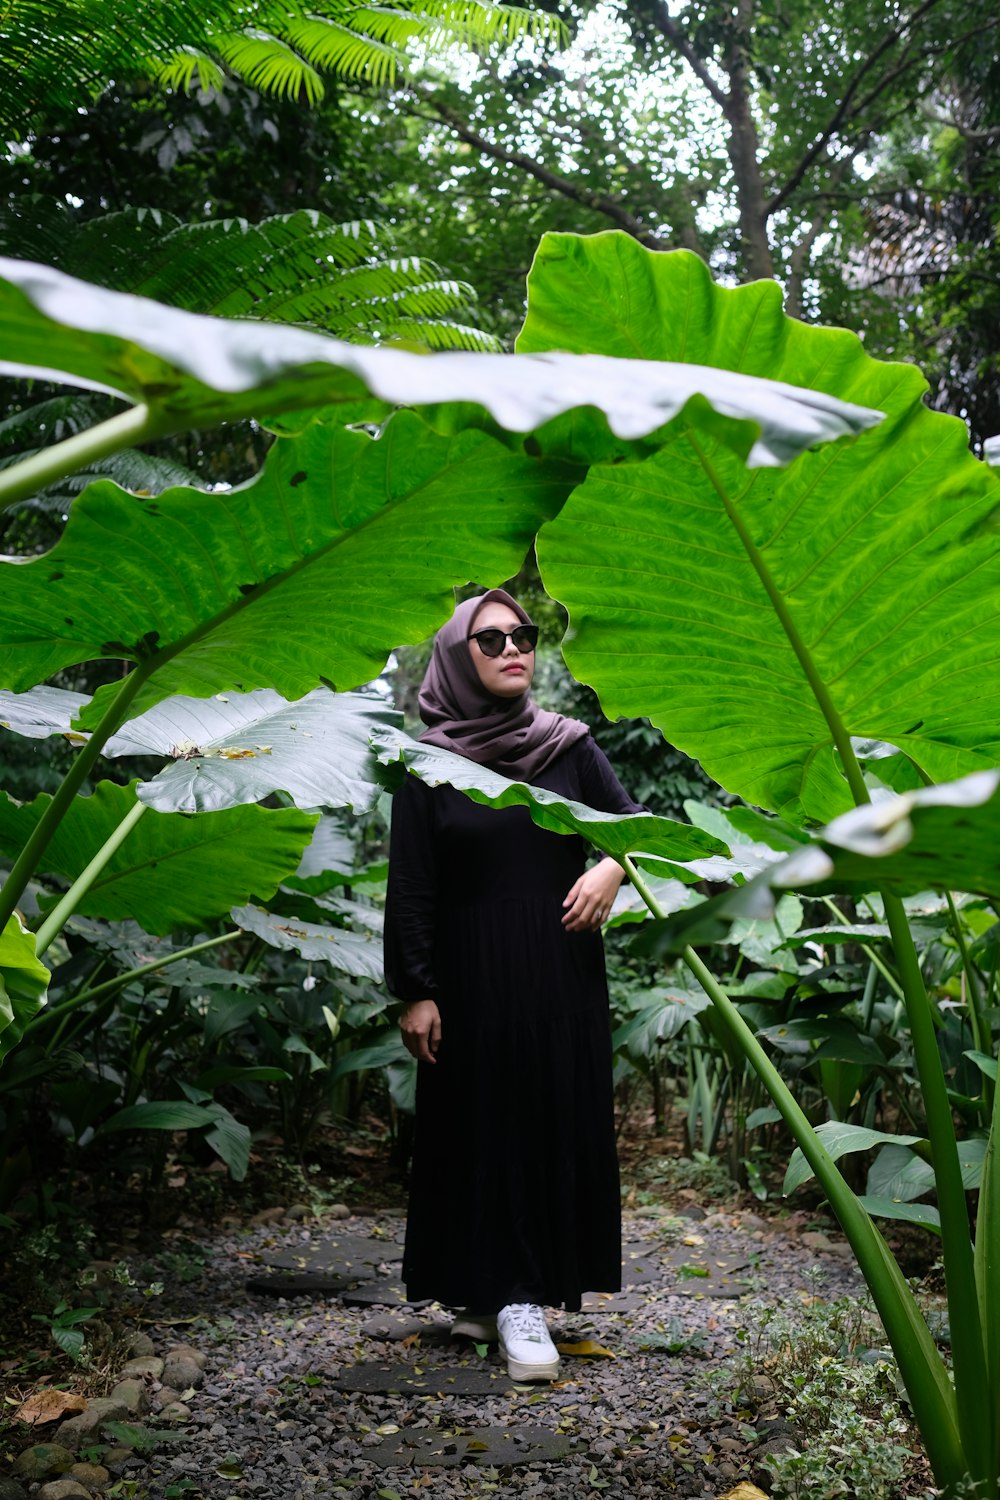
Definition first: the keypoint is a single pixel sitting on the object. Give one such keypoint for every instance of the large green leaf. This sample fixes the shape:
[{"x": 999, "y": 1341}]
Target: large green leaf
[
  {"x": 839, "y": 1138},
  {"x": 616, "y": 834},
  {"x": 159, "y": 1114},
  {"x": 41, "y": 712},
  {"x": 241, "y": 747},
  {"x": 354, "y": 953},
  {"x": 24, "y": 981},
  {"x": 190, "y": 370},
  {"x": 172, "y": 870},
  {"x": 882, "y": 552},
  {"x": 327, "y": 861},
  {"x": 938, "y": 838},
  {"x": 341, "y": 549},
  {"x": 234, "y": 747}
]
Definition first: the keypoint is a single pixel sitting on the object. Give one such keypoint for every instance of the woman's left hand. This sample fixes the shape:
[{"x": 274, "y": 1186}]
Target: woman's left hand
[{"x": 589, "y": 901}]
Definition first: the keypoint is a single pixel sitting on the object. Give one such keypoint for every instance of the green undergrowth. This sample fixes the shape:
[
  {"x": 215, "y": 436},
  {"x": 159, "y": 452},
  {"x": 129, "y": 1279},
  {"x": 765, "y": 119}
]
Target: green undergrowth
[{"x": 822, "y": 1376}]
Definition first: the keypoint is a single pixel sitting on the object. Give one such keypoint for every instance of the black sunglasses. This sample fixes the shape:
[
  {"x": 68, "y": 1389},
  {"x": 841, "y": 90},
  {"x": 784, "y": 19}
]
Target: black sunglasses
[{"x": 492, "y": 642}]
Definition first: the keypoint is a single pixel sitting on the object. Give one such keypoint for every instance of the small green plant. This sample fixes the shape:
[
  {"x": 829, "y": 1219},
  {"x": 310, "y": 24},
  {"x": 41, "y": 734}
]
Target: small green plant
[
  {"x": 851, "y": 1446},
  {"x": 142, "y": 1439},
  {"x": 672, "y": 1340},
  {"x": 64, "y": 1323}
]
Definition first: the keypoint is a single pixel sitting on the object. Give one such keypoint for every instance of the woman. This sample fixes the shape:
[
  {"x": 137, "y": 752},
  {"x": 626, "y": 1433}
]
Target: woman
[{"x": 493, "y": 944}]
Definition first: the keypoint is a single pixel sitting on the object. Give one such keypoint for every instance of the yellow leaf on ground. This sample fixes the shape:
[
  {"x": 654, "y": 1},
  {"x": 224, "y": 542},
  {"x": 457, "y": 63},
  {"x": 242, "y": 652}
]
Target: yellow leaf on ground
[
  {"x": 588, "y": 1348},
  {"x": 49, "y": 1406},
  {"x": 744, "y": 1492}
]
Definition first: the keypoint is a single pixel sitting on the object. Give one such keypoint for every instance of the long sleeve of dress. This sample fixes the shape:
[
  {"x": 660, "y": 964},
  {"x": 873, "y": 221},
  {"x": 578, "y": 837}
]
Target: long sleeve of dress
[
  {"x": 411, "y": 896},
  {"x": 599, "y": 786}
]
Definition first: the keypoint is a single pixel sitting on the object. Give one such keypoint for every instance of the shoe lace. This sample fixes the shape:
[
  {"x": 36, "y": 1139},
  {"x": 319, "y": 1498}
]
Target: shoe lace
[{"x": 527, "y": 1321}]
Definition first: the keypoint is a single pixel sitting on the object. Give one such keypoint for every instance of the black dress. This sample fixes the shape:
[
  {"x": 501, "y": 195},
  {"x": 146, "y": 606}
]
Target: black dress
[{"x": 514, "y": 1192}]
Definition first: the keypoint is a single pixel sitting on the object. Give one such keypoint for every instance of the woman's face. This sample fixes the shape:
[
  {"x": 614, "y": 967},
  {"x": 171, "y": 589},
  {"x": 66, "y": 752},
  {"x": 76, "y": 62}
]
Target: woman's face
[{"x": 509, "y": 674}]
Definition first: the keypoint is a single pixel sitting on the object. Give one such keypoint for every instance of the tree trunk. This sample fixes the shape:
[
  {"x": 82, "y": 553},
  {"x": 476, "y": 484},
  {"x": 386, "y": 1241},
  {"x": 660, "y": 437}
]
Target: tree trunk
[{"x": 743, "y": 147}]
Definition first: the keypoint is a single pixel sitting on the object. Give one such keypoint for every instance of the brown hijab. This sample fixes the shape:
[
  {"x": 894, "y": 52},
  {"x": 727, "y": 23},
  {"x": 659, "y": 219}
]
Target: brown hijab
[{"x": 512, "y": 735}]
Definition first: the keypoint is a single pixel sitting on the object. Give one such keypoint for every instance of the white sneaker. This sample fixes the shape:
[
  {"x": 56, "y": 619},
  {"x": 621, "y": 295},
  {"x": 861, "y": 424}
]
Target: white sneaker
[
  {"x": 481, "y": 1327},
  {"x": 525, "y": 1342}
]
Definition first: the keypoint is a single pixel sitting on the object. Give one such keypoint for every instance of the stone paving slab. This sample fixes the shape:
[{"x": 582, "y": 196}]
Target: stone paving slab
[
  {"x": 304, "y": 1285},
  {"x": 354, "y": 1267},
  {"x": 444, "y": 1380},
  {"x": 394, "y": 1326},
  {"x": 716, "y": 1286},
  {"x": 379, "y": 1294},
  {"x": 613, "y": 1302},
  {"x": 347, "y": 1255},
  {"x": 478, "y": 1445}
]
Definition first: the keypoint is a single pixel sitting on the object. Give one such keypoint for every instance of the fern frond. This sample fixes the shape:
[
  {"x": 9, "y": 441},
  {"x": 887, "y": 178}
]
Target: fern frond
[
  {"x": 472, "y": 23},
  {"x": 439, "y": 335},
  {"x": 360, "y": 299},
  {"x": 347, "y": 53},
  {"x": 240, "y": 270},
  {"x": 268, "y": 63},
  {"x": 297, "y": 268},
  {"x": 186, "y": 69},
  {"x": 58, "y": 54},
  {"x": 57, "y": 417},
  {"x": 140, "y": 473}
]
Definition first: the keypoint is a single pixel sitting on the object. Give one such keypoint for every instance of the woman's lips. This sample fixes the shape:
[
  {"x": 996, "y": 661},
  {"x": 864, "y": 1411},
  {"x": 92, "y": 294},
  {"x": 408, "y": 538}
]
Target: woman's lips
[{"x": 514, "y": 667}]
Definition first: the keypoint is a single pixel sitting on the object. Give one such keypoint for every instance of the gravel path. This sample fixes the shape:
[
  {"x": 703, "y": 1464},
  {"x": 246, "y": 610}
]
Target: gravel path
[{"x": 276, "y": 1414}]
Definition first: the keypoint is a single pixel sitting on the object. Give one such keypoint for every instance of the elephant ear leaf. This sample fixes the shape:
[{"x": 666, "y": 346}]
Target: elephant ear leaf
[
  {"x": 746, "y": 614},
  {"x": 237, "y": 748},
  {"x": 171, "y": 871},
  {"x": 185, "y": 370},
  {"x": 210, "y": 593},
  {"x": 614, "y": 833}
]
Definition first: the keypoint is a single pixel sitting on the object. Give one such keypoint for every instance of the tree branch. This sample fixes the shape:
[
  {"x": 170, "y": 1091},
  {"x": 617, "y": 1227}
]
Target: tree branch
[
  {"x": 843, "y": 108},
  {"x": 602, "y": 203},
  {"x": 675, "y": 36}
]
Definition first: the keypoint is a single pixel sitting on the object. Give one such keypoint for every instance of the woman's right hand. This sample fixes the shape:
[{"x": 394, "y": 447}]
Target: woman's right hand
[{"x": 420, "y": 1025}]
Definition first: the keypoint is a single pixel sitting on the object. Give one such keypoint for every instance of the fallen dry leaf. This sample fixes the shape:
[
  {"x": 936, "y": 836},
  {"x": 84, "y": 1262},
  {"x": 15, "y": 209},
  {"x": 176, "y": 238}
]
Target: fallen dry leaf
[
  {"x": 48, "y": 1406},
  {"x": 744, "y": 1492},
  {"x": 589, "y": 1348}
]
